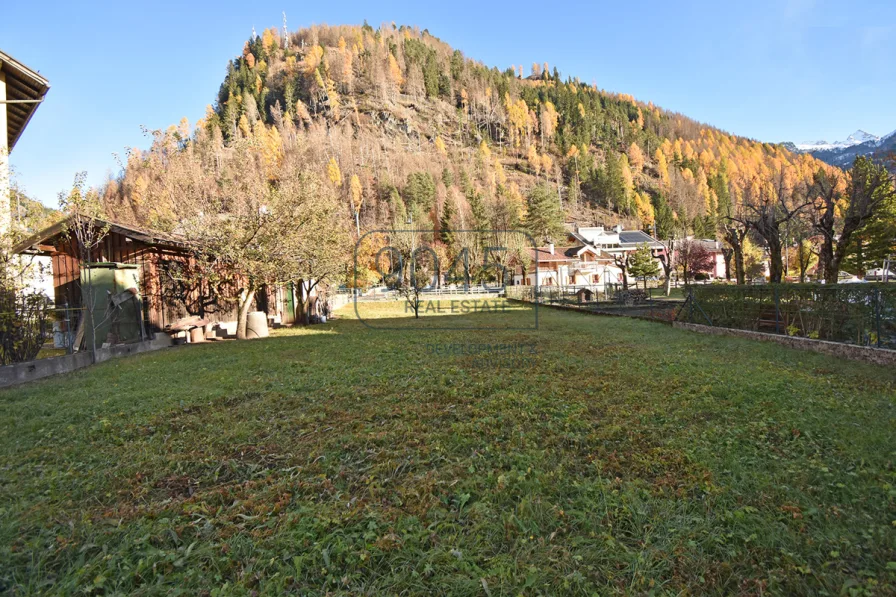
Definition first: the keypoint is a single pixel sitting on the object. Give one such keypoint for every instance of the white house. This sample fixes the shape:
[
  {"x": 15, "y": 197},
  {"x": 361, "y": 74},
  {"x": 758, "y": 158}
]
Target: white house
[
  {"x": 21, "y": 92},
  {"x": 577, "y": 265}
]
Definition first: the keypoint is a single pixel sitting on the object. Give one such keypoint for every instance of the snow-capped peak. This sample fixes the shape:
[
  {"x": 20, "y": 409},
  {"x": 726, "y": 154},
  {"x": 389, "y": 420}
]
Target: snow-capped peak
[
  {"x": 857, "y": 138},
  {"x": 861, "y": 136}
]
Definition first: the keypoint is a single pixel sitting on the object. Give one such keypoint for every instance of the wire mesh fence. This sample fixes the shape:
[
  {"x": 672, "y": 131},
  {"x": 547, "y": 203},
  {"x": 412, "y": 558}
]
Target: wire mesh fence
[
  {"x": 615, "y": 299},
  {"x": 862, "y": 314}
]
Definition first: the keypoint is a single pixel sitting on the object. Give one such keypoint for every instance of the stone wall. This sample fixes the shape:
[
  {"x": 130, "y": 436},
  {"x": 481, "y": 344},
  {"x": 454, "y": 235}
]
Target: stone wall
[{"x": 11, "y": 375}]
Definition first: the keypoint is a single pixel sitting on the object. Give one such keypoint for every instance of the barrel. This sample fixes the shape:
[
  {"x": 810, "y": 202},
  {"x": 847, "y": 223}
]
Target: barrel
[{"x": 257, "y": 325}]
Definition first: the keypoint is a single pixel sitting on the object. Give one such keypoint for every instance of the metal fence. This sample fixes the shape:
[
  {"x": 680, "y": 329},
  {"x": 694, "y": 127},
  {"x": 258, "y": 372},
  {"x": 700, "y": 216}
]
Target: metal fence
[
  {"x": 650, "y": 303},
  {"x": 863, "y": 314}
]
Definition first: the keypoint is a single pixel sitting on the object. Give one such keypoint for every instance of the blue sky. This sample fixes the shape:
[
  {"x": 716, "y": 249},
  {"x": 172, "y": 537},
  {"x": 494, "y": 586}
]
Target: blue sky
[{"x": 798, "y": 70}]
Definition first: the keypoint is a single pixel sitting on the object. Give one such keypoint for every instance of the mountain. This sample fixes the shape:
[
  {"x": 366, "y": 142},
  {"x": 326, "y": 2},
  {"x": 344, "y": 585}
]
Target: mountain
[
  {"x": 399, "y": 122},
  {"x": 843, "y": 153},
  {"x": 857, "y": 138}
]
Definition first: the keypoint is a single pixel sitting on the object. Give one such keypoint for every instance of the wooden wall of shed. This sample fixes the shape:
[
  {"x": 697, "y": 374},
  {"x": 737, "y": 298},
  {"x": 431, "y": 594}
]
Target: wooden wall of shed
[{"x": 158, "y": 310}]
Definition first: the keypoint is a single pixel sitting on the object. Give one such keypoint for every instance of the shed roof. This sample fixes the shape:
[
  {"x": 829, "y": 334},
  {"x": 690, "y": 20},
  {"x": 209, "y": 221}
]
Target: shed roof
[
  {"x": 147, "y": 236},
  {"x": 25, "y": 89}
]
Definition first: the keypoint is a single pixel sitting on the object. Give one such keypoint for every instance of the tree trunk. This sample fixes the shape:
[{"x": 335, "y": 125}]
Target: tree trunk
[
  {"x": 775, "y": 262},
  {"x": 305, "y": 302},
  {"x": 735, "y": 239},
  {"x": 726, "y": 255},
  {"x": 739, "y": 273},
  {"x": 245, "y": 303}
]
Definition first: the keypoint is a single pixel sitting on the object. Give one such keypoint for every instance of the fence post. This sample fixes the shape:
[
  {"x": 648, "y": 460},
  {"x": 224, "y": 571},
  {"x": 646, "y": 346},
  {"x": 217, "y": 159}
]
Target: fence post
[
  {"x": 68, "y": 331},
  {"x": 877, "y": 314},
  {"x": 690, "y": 306},
  {"x": 777, "y": 312}
]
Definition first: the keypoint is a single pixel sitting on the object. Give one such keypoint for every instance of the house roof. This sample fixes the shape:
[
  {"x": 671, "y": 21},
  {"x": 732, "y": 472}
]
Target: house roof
[
  {"x": 709, "y": 244},
  {"x": 635, "y": 237},
  {"x": 25, "y": 89},
  {"x": 543, "y": 254},
  {"x": 626, "y": 237},
  {"x": 147, "y": 236}
]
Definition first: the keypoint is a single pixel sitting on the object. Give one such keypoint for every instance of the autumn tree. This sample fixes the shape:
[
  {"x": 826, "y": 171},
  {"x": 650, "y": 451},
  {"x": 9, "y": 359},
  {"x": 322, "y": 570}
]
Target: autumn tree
[
  {"x": 693, "y": 259},
  {"x": 635, "y": 158},
  {"x": 806, "y": 256},
  {"x": 547, "y": 122},
  {"x": 312, "y": 249}
]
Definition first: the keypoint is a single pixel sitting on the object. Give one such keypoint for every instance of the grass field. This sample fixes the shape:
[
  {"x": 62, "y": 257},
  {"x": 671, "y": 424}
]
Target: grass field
[{"x": 621, "y": 457}]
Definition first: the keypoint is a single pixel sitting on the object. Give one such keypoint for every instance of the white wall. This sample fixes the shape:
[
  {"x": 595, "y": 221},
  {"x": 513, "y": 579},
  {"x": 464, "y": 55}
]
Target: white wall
[{"x": 5, "y": 215}]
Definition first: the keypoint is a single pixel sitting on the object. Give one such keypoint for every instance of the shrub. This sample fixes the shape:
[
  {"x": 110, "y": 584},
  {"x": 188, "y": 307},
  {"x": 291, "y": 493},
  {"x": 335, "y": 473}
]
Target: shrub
[{"x": 24, "y": 325}]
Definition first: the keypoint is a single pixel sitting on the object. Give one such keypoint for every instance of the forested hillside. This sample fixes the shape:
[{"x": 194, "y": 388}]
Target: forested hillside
[{"x": 395, "y": 121}]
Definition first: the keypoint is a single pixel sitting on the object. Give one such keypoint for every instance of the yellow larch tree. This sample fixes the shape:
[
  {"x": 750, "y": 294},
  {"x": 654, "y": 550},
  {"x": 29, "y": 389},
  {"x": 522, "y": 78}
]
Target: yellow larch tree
[
  {"x": 395, "y": 72},
  {"x": 644, "y": 208},
  {"x": 312, "y": 60},
  {"x": 534, "y": 159},
  {"x": 548, "y": 122},
  {"x": 636, "y": 158},
  {"x": 334, "y": 174},
  {"x": 244, "y": 126}
]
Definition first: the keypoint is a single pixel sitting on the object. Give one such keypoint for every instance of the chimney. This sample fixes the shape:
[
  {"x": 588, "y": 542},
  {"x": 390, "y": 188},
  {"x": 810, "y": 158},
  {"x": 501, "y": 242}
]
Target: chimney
[
  {"x": 618, "y": 228},
  {"x": 551, "y": 248}
]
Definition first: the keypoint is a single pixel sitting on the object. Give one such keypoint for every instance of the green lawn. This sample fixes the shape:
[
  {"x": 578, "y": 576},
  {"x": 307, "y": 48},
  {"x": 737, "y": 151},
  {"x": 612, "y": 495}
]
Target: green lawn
[{"x": 623, "y": 457}]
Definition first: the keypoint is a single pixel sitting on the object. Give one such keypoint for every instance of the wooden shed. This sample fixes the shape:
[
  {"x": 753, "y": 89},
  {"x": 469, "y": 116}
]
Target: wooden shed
[{"x": 160, "y": 258}]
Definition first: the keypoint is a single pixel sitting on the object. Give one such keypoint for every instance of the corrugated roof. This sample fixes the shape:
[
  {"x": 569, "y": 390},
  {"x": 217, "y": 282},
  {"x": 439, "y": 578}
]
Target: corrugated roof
[{"x": 24, "y": 91}]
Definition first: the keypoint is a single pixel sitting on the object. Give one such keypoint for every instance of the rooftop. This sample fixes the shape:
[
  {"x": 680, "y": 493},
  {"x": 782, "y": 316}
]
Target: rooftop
[
  {"x": 32, "y": 243},
  {"x": 25, "y": 89},
  {"x": 544, "y": 255}
]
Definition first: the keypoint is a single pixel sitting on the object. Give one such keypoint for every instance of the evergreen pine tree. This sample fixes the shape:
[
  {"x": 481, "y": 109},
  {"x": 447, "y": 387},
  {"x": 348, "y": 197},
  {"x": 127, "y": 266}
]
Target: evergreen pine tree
[
  {"x": 544, "y": 220},
  {"x": 446, "y": 232},
  {"x": 643, "y": 265},
  {"x": 447, "y": 178},
  {"x": 664, "y": 219}
]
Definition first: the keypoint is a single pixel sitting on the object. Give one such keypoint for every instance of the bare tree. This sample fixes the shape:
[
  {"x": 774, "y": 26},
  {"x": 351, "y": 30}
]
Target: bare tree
[
  {"x": 693, "y": 258},
  {"x": 622, "y": 261},
  {"x": 86, "y": 228},
  {"x": 667, "y": 261},
  {"x": 734, "y": 233},
  {"x": 767, "y": 206}
]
